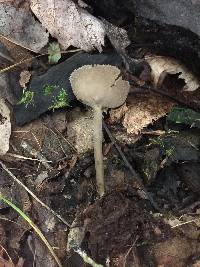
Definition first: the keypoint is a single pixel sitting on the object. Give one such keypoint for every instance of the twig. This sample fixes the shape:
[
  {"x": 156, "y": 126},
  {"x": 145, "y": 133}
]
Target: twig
[
  {"x": 163, "y": 93},
  {"x": 10, "y": 260},
  {"x": 184, "y": 223},
  {"x": 49, "y": 129},
  {"x": 31, "y": 58},
  {"x": 127, "y": 163},
  {"x": 33, "y": 152},
  {"x": 67, "y": 141},
  {"x": 6, "y": 57},
  {"x": 129, "y": 250},
  {"x": 33, "y": 195},
  {"x": 26, "y": 158},
  {"x": 86, "y": 258},
  {"x": 18, "y": 224}
]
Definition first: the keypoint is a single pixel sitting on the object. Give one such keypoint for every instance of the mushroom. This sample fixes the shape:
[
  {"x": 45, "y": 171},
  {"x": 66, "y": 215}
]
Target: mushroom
[{"x": 99, "y": 86}]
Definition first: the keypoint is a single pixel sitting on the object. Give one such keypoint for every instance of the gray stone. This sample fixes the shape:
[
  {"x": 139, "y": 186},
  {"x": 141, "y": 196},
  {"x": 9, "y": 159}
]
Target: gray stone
[{"x": 183, "y": 13}]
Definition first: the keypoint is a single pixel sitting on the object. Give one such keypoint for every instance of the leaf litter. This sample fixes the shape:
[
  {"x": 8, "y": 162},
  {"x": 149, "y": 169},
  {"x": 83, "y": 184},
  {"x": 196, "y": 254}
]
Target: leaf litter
[
  {"x": 70, "y": 188},
  {"x": 162, "y": 66},
  {"x": 20, "y": 27},
  {"x": 70, "y": 24}
]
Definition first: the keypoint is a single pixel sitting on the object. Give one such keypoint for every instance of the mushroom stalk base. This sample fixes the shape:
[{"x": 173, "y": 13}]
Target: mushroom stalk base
[{"x": 98, "y": 155}]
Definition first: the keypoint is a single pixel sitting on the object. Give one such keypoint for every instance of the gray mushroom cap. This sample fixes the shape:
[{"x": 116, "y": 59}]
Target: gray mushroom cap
[{"x": 100, "y": 85}]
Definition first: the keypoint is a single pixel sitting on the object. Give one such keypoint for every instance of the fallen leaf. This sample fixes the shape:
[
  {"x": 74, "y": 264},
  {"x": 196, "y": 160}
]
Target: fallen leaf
[
  {"x": 184, "y": 116},
  {"x": 70, "y": 24},
  {"x": 9, "y": 263},
  {"x": 117, "y": 114},
  {"x": 144, "y": 110},
  {"x": 20, "y": 27},
  {"x": 196, "y": 264},
  {"x": 174, "y": 251},
  {"x": 5, "y": 127},
  {"x": 162, "y": 66},
  {"x": 25, "y": 76},
  {"x": 117, "y": 36}
]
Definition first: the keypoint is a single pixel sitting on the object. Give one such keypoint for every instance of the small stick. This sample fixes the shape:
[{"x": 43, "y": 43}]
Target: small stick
[
  {"x": 135, "y": 175},
  {"x": 33, "y": 152},
  {"x": 86, "y": 258},
  {"x": 26, "y": 158},
  {"x": 184, "y": 223},
  {"x": 33, "y": 195}
]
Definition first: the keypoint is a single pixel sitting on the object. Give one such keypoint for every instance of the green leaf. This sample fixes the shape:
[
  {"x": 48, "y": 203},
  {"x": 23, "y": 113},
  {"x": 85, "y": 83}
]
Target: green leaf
[
  {"x": 54, "y": 53},
  {"x": 184, "y": 116}
]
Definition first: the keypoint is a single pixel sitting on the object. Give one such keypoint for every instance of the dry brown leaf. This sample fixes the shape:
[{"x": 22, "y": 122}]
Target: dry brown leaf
[
  {"x": 70, "y": 24},
  {"x": 25, "y": 76},
  {"x": 161, "y": 66},
  {"x": 144, "y": 110},
  {"x": 117, "y": 114},
  {"x": 20, "y": 27},
  {"x": 196, "y": 264},
  {"x": 175, "y": 251}
]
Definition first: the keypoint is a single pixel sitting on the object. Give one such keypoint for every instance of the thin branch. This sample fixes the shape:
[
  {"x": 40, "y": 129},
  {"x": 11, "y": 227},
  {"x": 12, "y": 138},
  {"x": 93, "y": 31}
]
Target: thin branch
[
  {"x": 33, "y": 195},
  {"x": 133, "y": 172},
  {"x": 26, "y": 158},
  {"x": 31, "y": 58}
]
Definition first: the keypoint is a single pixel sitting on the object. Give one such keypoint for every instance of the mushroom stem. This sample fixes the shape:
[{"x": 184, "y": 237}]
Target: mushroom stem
[{"x": 98, "y": 155}]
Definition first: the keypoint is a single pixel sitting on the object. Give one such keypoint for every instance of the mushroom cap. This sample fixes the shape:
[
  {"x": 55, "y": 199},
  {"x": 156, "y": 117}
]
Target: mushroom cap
[{"x": 100, "y": 85}]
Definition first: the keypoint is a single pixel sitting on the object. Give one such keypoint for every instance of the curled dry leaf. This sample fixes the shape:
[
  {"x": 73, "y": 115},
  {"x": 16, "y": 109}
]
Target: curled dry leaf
[
  {"x": 5, "y": 127},
  {"x": 161, "y": 66},
  {"x": 20, "y": 27},
  {"x": 25, "y": 76},
  {"x": 144, "y": 110},
  {"x": 69, "y": 23}
]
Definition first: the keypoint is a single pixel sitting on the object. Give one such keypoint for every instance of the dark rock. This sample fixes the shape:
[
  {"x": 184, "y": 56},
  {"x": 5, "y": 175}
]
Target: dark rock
[
  {"x": 183, "y": 13},
  {"x": 58, "y": 76},
  {"x": 189, "y": 173},
  {"x": 170, "y": 28}
]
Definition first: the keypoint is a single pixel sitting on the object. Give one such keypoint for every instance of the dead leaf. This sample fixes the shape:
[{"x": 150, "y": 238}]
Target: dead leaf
[
  {"x": 161, "y": 66},
  {"x": 144, "y": 110},
  {"x": 174, "y": 251},
  {"x": 25, "y": 76},
  {"x": 70, "y": 24},
  {"x": 20, "y": 27},
  {"x": 117, "y": 36},
  {"x": 9, "y": 263},
  {"x": 5, "y": 127},
  {"x": 196, "y": 264},
  {"x": 117, "y": 114},
  {"x": 16, "y": 52}
]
